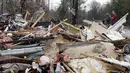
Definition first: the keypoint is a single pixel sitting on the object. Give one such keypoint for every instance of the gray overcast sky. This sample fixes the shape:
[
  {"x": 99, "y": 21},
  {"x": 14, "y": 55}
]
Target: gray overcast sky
[{"x": 54, "y": 3}]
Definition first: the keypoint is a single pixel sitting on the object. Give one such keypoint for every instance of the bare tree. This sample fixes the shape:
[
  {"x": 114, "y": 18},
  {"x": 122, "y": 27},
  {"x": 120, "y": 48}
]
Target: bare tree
[{"x": 93, "y": 13}]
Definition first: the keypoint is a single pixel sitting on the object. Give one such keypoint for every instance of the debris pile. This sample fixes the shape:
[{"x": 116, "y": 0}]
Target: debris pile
[{"x": 48, "y": 47}]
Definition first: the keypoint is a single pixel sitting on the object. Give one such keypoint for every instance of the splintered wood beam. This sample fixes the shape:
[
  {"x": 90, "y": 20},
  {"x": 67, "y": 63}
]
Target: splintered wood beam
[
  {"x": 13, "y": 59},
  {"x": 47, "y": 31},
  {"x": 40, "y": 17},
  {"x": 27, "y": 40},
  {"x": 56, "y": 25},
  {"x": 68, "y": 24},
  {"x": 68, "y": 36},
  {"x": 71, "y": 71},
  {"x": 25, "y": 17}
]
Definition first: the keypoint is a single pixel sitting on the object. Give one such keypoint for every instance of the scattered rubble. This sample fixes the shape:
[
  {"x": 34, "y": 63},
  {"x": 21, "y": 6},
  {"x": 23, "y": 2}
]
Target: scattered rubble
[{"x": 62, "y": 47}]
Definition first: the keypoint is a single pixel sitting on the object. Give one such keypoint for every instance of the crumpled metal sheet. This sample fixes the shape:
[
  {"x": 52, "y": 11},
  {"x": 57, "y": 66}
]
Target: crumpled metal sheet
[{"x": 13, "y": 59}]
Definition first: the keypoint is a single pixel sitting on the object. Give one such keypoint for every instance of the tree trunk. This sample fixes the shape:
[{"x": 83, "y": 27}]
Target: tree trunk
[
  {"x": 22, "y": 2},
  {"x": 2, "y": 6},
  {"x": 75, "y": 7}
]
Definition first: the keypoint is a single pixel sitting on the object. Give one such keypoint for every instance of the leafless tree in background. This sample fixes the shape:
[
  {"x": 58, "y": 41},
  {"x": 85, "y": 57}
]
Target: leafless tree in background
[{"x": 20, "y": 6}]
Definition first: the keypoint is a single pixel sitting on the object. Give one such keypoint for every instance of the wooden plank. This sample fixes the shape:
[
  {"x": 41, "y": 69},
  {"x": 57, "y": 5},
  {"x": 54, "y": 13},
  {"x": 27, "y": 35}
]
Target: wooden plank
[
  {"x": 19, "y": 32},
  {"x": 25, "y": 17},
  {"x": 68, "y": 24},
  {"x": 71, "y": 71},
  {"x": 69, "y": 36},
  {"x": 47, "y": 31},
  {"x": 40, "y": 17},
  {"x": 13, "y": 59},
  {"x": 27, "y": 40},
  {"x": 56, "y": 26}
]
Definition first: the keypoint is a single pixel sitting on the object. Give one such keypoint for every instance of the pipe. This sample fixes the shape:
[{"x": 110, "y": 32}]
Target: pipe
[
  {"x": 21, "y": 52},
  {"x": 25, "y": 46}
]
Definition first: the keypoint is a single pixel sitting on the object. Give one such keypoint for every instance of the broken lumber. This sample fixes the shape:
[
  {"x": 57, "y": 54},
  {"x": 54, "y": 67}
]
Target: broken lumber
[
  {"x": 71, "y": 71},
  {"x": 70, "y": 25},
  {"x": 19, "y": 32},
  {"x": 47, "y": 31},
  {"x": 24, "y": 46},
  {"x": 12, "y": 59},
  {"x": 25, "y": 17},
  {"x": 38, "y": 19},
  {"x": 27, "y": 40},
  {"x": 77, "y": 44},
  {"x": 56, "y": 25},
  {"x": 68, "y": 36}
]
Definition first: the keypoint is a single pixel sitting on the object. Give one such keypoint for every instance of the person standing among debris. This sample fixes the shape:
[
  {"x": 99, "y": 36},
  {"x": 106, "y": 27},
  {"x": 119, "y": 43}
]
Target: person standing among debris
[
  {"x": 108, "y": 19},
  {"x": 114, "y": 17}
]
